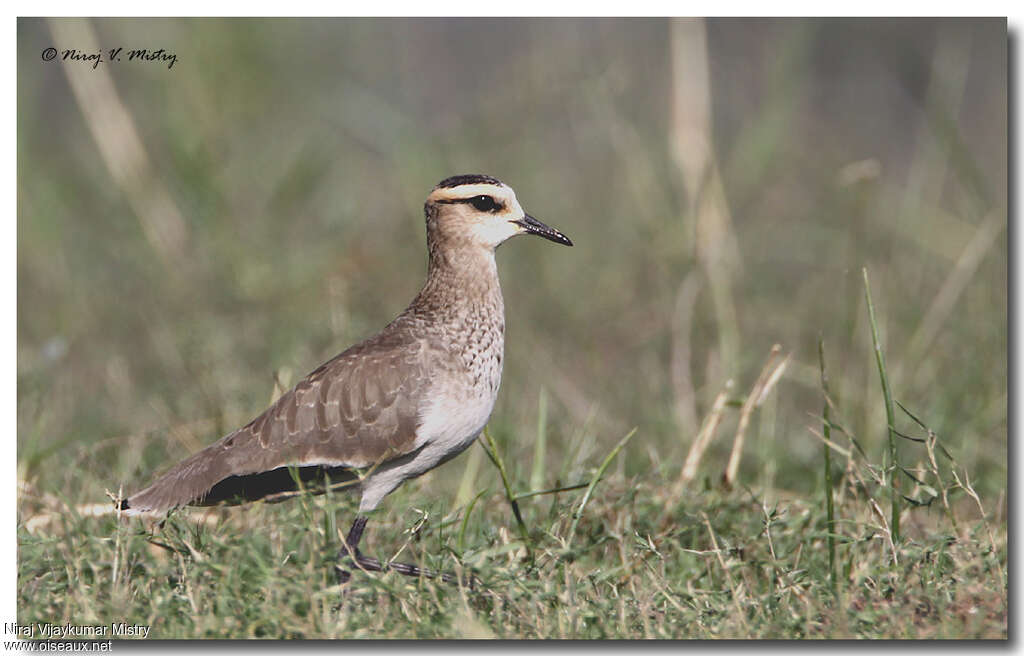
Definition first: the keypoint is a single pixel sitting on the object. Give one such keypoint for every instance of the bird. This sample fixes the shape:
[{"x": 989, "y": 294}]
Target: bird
[{"x": 391, "y": 407}]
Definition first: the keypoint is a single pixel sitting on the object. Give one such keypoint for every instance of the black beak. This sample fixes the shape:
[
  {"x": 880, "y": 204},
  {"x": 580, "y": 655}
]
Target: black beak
[{"x": 535, "y": 227}]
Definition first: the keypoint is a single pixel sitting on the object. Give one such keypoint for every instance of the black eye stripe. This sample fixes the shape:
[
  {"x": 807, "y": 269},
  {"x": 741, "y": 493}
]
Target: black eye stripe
[{"x": 482, "y": 202}]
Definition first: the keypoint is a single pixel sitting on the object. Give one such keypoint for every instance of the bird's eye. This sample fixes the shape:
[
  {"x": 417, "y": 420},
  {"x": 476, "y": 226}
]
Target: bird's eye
[{"x": 484, "y": 203}]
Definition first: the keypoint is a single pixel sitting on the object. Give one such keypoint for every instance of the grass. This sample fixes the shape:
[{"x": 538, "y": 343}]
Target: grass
[
  {"x": 278, "y": 218},
  {"x": 628, "y": 557},
  {"x": 642, "y": 565}
]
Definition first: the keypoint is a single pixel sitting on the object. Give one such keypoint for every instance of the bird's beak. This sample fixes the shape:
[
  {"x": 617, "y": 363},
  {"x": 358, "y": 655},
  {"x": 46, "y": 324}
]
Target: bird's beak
[{"x": 535, "y": 227}]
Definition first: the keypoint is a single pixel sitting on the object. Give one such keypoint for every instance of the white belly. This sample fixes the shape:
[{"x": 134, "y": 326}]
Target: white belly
[{"x": 451, "y": 423}]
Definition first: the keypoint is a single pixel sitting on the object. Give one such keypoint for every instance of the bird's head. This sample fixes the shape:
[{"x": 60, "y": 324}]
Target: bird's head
[{"x": 481, "y": 211}]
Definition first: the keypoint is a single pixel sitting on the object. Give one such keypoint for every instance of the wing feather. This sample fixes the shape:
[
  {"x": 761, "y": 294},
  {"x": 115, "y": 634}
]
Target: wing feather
[{"x": 356, "y": 410}]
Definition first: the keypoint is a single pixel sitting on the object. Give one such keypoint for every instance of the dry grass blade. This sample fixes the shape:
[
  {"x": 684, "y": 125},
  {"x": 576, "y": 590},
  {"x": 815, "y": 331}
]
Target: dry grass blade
[
  {"x": 117, "y": 138},
  {"x": 848, "y": 453},
  {"x": 770, "y": 375},
  {"x": 885, "y": 529},
  {"x": 703, "y": 439},
  {"x": 55, "y": 509},
  {"x": 932, "y": 443},
  {"x": 682, "y": 325},
  {"x": 737, "y": 591},
  {"x": 969, "y": 489},
  {"x": 955, "y": 284}
]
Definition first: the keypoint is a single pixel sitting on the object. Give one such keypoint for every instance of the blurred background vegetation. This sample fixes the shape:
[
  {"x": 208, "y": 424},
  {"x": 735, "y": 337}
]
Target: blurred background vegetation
[{"x": 187, "y": 235}]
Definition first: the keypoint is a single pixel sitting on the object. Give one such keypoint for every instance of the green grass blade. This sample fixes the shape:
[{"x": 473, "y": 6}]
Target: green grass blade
[
  {"x": 461, "y": 540},
  {"x": 593, "y": 483},
  {"x": 541, "y": 445},
  {"x": 492, "y": 452},
  {"x": 554, "y": 490},
  {"x": 829, "y": 502},
  {"x": 892, "y": 465}
]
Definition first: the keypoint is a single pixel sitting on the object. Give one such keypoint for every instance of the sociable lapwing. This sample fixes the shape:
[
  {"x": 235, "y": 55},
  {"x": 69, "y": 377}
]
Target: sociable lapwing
[{"x": 392, "y": 407}]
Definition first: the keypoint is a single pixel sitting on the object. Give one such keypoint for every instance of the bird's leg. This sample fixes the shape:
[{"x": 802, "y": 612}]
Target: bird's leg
[{"x": 351, "y": 550}]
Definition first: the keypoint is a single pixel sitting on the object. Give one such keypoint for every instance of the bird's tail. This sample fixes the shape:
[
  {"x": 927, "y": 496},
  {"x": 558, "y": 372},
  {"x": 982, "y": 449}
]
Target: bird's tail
[{"x": 186, "y": 483}]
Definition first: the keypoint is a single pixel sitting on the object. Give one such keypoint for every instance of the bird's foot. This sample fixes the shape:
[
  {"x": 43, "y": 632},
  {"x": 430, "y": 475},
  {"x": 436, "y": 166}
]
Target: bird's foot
[{"x": 369, "y": 564}]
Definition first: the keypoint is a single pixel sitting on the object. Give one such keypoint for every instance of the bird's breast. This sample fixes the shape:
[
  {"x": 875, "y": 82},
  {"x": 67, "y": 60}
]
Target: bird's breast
[{"x": 466, "y": 386}]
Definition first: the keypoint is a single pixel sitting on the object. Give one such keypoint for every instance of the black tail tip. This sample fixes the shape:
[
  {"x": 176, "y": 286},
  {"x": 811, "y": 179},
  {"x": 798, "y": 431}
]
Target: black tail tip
[{"x": 122, "y": 504}]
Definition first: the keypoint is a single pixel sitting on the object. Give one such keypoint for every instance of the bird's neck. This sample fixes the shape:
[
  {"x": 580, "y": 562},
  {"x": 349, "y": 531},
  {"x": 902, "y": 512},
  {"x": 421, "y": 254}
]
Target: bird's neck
[{"x": 462, "y": 284}]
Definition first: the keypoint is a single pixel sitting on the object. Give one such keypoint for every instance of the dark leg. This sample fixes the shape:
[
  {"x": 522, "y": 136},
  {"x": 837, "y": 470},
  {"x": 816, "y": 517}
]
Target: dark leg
[{"x": 351, "y": 550}]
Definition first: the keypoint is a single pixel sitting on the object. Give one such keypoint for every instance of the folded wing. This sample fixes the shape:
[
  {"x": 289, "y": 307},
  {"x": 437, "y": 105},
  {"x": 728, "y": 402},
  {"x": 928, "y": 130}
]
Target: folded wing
[{"x": 354, "y": 411}]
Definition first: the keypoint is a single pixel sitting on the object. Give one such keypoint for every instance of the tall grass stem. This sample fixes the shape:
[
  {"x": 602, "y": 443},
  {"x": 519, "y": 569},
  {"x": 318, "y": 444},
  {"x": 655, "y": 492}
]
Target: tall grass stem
[
  {"x": 829, "y": 502},
  {"x": 894, "y": 496}
]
